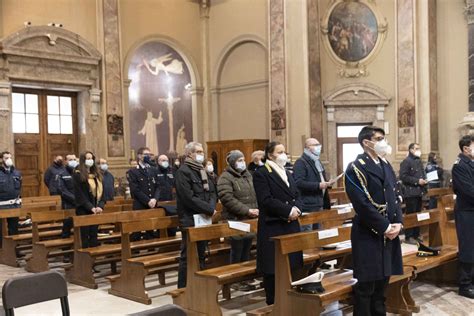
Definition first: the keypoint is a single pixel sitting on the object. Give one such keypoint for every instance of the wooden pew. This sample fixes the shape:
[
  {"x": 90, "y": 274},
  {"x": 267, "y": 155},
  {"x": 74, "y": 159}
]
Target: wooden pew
[
  {"x": 448, "y": 230},
  {"x": 338, "y": 196},
  {"x": 81, "y": 272},
  {"x": 54, "y": 201},
  {"x": 438, "y": 192}
]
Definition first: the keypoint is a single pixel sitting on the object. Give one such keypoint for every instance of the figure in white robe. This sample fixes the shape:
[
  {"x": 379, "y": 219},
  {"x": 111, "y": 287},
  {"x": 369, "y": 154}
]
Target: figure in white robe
[
  {"x": 149, "y": 130},
  {"x": 181, "y": 141}
]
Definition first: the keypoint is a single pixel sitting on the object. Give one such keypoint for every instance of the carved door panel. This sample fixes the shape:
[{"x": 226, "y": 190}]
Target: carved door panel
[{"x": 44, "y": 126}]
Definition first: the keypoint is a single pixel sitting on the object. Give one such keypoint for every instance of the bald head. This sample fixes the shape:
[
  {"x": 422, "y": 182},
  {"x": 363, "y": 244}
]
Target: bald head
[{"x": 311, "y": 142}]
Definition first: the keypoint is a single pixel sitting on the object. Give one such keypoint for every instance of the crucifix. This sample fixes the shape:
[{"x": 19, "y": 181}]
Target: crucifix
[{"x": 170, "y": 101}]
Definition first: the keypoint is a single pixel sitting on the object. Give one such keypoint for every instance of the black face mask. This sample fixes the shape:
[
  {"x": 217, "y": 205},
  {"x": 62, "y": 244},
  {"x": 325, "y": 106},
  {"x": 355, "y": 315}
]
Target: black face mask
[
  {"x": 58, "y": 163},
  {"x": 147, "y": 159}
]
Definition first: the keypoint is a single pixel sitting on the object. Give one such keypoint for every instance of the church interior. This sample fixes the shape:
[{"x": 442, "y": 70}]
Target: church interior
[{"x": 114, "y": 77}]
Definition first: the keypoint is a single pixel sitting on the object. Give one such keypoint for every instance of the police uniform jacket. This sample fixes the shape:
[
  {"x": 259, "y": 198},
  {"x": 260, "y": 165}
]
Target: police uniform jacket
[
  {"x": 143, "y": 182},
  {"x": 66, "y": 189},
  {"x": 191, "y": 198},
  {"x": 109, "y": 187},
  {"x": 374, "y": 256},
  {"x": 411, "y": 170},
  {"x": 51, "y": 178},
  {"x": 463, "y": 186},
  {"x": 275, "y": 201},
  {"x": 166, "y": 183},
  {"x": 10, "y": 185}
]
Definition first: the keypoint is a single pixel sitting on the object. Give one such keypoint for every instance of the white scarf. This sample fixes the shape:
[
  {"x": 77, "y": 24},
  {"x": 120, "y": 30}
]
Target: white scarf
[{"x": 280, "y": 171}]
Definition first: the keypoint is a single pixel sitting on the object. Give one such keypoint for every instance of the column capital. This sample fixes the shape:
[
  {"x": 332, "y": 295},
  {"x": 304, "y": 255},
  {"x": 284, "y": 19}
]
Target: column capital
[
  {"x": 469, "y": 11},
  {"x": 204, "y": 8},
  {"x": 5, "y": 88}
]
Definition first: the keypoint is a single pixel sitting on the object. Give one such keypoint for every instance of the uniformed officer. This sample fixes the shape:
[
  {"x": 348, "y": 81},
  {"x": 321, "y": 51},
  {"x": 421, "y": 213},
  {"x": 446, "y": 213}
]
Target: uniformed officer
[
  {"x": 166, "y": 186},
  {"x": 371, "y": 186},
  {"x": 463, "y": 186},
  {"x": 144, "y": 188},
  {"x": 52, "y": 174},
  {"x": 66, "y": 190},
  {"x": 10, "y": 189},
  {"x": 108, "y": 179}
]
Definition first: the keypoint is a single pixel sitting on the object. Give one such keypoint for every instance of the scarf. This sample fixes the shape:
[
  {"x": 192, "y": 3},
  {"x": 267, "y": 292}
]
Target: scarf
[
  {"x": 196, "y": 166},
  {"x": 95, "y": 186},
  {"x": 315, "y": 159},
  {"x": 280, "y": 171}
]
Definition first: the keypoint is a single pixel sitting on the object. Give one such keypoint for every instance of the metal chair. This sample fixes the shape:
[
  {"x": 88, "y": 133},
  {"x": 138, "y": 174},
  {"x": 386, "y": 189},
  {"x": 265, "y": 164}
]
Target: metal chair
[
  {"x": 165, "y": 310},
  {"x": 35, "y": 288}
]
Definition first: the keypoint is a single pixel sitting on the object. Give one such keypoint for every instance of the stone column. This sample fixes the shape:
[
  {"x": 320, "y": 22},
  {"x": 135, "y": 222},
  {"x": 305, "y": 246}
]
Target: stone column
[
  {"x": 277, "y": 79},
  {"x": 6, "y": 141},
  {"x": 467, "y": 124},
  {"x": 208, "y": 130}
]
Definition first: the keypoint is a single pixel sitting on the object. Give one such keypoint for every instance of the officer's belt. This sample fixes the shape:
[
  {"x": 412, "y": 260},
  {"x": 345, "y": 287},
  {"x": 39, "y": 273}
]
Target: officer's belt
[{"x": 10, "y": 202}]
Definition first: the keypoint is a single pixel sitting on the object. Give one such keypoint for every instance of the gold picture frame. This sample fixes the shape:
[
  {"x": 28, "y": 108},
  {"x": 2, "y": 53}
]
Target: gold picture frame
[{"x": 353, "y": 34}]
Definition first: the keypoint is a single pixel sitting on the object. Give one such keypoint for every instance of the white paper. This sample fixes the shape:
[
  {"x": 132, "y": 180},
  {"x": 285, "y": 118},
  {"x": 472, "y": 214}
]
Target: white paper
[
  {"x": 202, "y": 220},
  {"x": 344, "y": 210},
  {"x": 315, "y": 277},
  {"x": 245, "y": 227},
  {"x": 432, "y": 176},
  {"x": 334, "y": 180},
  {"x": 422, "y": 216},
  {"x": 328, "y": 233}
]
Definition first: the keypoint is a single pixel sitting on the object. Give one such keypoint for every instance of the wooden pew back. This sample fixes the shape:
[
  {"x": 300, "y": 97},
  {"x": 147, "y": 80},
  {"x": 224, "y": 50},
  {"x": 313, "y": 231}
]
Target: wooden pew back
[{"x": 38, "y": 218}]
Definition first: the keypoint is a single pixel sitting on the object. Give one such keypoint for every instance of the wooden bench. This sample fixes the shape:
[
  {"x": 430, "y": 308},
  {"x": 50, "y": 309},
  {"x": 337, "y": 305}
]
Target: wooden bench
[
  {"x": 53, "y": 201},
  {"x": 446, "y": 206},
  {"x": 81, "y": 272}
]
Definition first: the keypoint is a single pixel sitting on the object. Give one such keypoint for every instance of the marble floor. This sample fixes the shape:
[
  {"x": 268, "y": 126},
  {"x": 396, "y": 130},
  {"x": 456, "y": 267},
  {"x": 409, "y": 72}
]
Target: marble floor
[{"x": 433, "y": 300}]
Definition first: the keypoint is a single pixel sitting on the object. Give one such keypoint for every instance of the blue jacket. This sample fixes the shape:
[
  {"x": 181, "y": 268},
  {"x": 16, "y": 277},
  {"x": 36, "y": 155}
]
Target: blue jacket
[
  {"x": 374, "y": 258},
  {"x": 143, "y": 186},
  {"x": 10, "y": 185},
  {"x": 66, "y": 189},
  {"x": 51, "y": 178},
  {"x": 109, "y": 189},
  {"x": 307, "y": 180}
]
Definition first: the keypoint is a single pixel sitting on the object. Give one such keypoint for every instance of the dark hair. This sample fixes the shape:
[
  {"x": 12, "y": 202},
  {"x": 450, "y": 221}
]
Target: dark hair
[
  {"x": 431, "y": 156},
  {"x": 367, "y": 132},
  {"x": 269, "y": 149},
  {"x": 466, "y": 140},
  {"x": 1, "y": 156},
  {"x": 141, "y": 150},
  {"x": 83, "y": 168},
  {"x": 412, "y": 145}
]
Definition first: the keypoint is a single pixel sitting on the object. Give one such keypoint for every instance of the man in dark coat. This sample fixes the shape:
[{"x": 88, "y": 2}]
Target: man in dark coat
[
  {"x": 66, "y": 190},
  {"x": 463, "y": 186},
  {"x": 371, "y": 187},
  {"x": 52, "y": 174},
  {"x": 108, "y": 180},
  {"x": 10, "y": 189},
  {"x": 166, "y": 184},
  {"x": 144, "y": 187},
  {"x": 195, "y": 194},
  {"x": 310, "y": 178},
  {"x": 412, "y": 175}
]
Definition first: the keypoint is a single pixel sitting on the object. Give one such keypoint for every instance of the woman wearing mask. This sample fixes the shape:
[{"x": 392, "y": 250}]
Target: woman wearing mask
[
  {"x": 257, "y": 160},
  {"x": 432, "y": 165},
  {"x": 209, "y": 166},
  {"x": 88, "y": 191},
  {"x": 279, "y": 211},
  {"x": 237, "y": 195}
]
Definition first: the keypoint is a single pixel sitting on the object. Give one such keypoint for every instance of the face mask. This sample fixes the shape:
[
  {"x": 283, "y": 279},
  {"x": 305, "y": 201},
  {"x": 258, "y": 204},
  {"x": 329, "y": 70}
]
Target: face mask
[
  {"x": 58, "y": 162},
  {"x": 210, "y": 168},
  {"x": 177, "y": 163},
  {"x": 165, "y": 164},
  {"x": 200, "y": 158},
  {"x": 260, "y": 163},
  {"x": 72, "y": 163},
  {"x": 417, "y": 153},
  {"x": 89, "y": 162},
  {"x": 147, "y": 159},
  {"x": 104, "y": 167},
  {"x": 316, "y": 150},
  {"x": 281, "y": 160},
  {"x": 382, "y": 149},
  {"x": 8, "y": 162},
  {"x": 472, "y": 152},
  {"x": 240, "y": 166}
]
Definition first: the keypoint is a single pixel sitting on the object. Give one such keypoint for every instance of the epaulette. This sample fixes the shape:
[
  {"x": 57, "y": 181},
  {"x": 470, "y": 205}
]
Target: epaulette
[
  {"x": 77, "y": 171},
  {"x": 457, "y": 161},
  {"x": 268, "y": 167},
  {"x": 361, "y": 161}
]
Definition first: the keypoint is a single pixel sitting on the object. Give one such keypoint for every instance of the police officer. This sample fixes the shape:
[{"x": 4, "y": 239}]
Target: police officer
[
  {"x": 66, "y": 190},
  {"x": 371, "y": 186},
  {"x": 10, "y": 189},
  {"x": 166, "y": 185},
  {"x": 144, "y": 187},
  {"x": 108, "y": 180},
  {"x": 52, "y": 174},
  {"x": 463, "y": 186}
]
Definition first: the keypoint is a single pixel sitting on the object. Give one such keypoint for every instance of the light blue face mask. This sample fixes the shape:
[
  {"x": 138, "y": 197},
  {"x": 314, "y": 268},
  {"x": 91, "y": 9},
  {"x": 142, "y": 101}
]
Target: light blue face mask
[
  {"x": 72, "y": 163},
  {"x": 165, "y": 164},
  {"x": 240, "y": 166},
  {"x": 316, "y": 150}
]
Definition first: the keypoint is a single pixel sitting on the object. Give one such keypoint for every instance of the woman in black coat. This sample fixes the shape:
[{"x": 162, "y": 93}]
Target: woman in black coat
[
  {"x": 277, "y": 202},
  {"x": 88, "y": 191}
]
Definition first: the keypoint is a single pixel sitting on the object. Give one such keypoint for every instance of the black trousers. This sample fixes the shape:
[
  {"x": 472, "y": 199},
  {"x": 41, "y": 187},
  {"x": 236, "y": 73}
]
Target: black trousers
[
  {"x": 269, "y": 285},
  {"x": 240, "y": 248},
  {"x": 370, "y": 298},
  {"x": 466, "y": 275},
  {"x": 201, "y": 248},
  {"x": 89, "y": 236},
  {"x": 433, "y": 200},
  {"x": 413, "y": 205},
  {"x": 67, "y": 227}
]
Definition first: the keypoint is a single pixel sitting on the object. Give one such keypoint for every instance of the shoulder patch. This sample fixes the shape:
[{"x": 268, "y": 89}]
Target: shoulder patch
[
  {"x": 268, "y": 167},
  {"x": 76, "y": 171},
  {"x": 361, "y": 161},
  {"x": 457, "y": 161}
]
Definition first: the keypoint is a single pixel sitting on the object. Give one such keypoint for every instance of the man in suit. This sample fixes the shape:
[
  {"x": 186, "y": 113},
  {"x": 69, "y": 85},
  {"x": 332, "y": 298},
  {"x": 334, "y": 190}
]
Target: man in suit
[
  {"x": 371, "y": 186},
  {"x": 310, "y": 178},
  {"x": 463, "y": 186}
]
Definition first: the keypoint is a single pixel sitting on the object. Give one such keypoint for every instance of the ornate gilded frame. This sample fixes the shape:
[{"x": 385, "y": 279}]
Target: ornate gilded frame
[{"x": 354, "y": 69}]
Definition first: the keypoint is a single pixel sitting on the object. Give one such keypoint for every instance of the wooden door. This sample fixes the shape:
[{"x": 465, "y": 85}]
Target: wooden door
[{"x": 44, "y": 126}]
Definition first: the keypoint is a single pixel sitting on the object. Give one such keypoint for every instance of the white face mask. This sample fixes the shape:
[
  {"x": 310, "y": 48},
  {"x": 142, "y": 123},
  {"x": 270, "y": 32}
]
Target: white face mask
[
  {"x": 104, "y": 167},
  {"x": 8, "y": 162},
  {"x": 72, "y": 163},
  {"x": 382, "y": 148},
  {"x": 210, "y": 168},
  {"x": 240, "y": 166},
  {"x": 316, "y": 150},
  {"x": 417, "y": 153},
  {"x": 89, "y": 162},
  {"x": 165, "y": 164},
  {"x": 200, "y": 158},
  {"x": 281, "y": 160},
  {"x": 260, "y": 163}
]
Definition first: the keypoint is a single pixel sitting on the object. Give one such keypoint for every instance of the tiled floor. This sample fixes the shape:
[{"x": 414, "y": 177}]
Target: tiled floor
[{"x": 432, "y": 300}]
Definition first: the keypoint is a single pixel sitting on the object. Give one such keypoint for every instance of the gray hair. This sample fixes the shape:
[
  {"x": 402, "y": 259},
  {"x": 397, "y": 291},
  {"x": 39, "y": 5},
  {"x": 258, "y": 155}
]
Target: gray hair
[{"x": 190, "y": 148}]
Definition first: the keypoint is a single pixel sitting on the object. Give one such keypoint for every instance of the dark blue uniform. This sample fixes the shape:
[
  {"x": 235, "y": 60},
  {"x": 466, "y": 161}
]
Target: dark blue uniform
[
  {"x": 51, "y": 178},
  {"x": 10, "y": 189},
  {"x": 143, "y": 186},
  {"x": 109, "y": 189},
  {"x": 463, "y": 186},
  {"x": 68, "y": 200},
  {"x": 375, "y": 258},
  {"x": 166, "y": 186}
]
